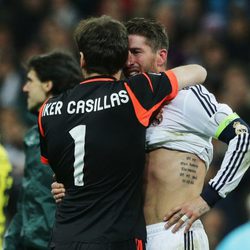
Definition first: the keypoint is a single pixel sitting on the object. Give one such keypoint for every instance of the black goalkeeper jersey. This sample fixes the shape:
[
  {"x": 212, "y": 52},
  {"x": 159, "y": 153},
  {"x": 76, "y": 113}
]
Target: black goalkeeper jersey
[{"x": 93, "y": 137}]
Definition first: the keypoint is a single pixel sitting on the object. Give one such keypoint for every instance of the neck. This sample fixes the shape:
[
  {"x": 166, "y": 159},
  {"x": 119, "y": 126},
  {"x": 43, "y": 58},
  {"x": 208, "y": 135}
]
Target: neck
[{"x": 117, "y": 75}]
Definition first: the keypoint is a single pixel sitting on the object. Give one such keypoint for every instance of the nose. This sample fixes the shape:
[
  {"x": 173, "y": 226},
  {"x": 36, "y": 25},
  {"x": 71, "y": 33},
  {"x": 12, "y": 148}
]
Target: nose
[
  {"x": 25, "y": 87},
  {"x": 130, "y": 60}
]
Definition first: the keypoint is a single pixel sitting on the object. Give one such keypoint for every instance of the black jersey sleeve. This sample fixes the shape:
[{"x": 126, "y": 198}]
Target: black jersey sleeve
[{"x": 149, "y": 91}]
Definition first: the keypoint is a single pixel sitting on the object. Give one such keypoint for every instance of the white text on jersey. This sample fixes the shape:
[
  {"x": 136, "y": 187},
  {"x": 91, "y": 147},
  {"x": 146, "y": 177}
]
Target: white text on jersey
[{"x": 90, "y": 105}]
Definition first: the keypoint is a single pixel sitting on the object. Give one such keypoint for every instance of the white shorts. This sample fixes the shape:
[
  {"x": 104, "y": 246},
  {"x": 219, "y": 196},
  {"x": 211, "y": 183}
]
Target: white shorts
[{"x": 161, "y": 239}]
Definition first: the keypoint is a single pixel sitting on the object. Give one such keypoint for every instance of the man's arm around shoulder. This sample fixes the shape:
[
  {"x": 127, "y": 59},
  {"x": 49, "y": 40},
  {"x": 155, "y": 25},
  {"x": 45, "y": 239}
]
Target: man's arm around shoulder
[{"x": 189, "y": 75}]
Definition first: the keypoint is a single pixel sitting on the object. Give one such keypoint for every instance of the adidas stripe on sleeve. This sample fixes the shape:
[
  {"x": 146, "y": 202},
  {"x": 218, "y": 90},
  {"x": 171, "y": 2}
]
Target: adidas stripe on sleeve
[{"x": 231, "y": 129}]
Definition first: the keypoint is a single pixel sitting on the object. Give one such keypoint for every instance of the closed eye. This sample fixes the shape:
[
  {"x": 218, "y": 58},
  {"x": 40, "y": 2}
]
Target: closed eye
[{"x": 135, "y": 51}]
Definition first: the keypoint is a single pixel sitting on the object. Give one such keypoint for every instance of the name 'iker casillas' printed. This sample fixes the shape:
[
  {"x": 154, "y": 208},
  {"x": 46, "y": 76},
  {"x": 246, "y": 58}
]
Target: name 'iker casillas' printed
[{"x": 90, "y": 105}]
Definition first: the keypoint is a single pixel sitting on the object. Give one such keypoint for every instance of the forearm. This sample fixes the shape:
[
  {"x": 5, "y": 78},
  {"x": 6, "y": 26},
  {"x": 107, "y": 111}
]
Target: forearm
[
  {"x": 234, "y": 165},
  {"x": 190, "y": 75}
]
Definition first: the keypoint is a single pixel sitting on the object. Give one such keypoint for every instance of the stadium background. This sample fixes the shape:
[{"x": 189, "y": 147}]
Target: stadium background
[{"x": 213, "y": 33}]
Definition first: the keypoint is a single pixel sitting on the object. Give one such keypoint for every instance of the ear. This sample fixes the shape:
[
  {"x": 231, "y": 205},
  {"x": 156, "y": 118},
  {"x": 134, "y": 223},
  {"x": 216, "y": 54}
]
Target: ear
[
  {"x": 47, "y": 86},
  {"x": 162, "y": 55},
  {"x": 82, "y": 60}
]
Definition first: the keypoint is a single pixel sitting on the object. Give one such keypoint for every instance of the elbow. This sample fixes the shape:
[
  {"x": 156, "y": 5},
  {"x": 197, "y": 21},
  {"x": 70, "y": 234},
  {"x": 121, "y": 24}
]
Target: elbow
[{"x": 202, "y": 73}]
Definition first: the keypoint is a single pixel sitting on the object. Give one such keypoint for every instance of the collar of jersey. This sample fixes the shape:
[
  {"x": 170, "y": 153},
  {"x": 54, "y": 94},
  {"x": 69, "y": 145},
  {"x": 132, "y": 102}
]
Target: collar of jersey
[{"x": 102, "y": 78}]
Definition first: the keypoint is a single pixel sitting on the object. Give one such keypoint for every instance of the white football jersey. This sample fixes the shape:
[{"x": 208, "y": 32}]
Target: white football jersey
[{"x": 189, "y": 122}]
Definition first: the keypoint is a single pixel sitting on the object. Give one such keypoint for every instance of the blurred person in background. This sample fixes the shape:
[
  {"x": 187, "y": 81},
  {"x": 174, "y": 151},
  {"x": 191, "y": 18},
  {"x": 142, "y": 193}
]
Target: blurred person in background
[
  {"x": 236, "y": 79},
  {"x": 54, "y": 35},
  {"x": 239, "y": 238},
  {"x": 237, "y": 37},
  {"x": 6, "y": 38},
  {"x": 10, "y": 80},
  {"x": 12, "y": 131},
  {"x": 47, "y": 75},
  {"x": 141, "y": 8},
  {"x": 26, "y": 15},
  {"x": 112, "y": 8},
  {"x": 65, "y": 12},
  {"x": 189, "y": 14},
  {"x": 180, "y": 150},
  {"x": 215, "y": 223},
  {"x": 5, "y": 185},
  {"x": 165, "y": 13},
  {"x": 214, "y": 57}
]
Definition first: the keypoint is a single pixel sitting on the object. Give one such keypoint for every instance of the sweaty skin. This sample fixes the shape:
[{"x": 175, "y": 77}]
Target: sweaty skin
[{"x": 167, "y": 185}]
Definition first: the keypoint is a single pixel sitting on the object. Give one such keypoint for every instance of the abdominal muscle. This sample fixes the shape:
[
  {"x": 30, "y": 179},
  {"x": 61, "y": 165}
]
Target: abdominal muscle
[{"x": 171, "y": 178}]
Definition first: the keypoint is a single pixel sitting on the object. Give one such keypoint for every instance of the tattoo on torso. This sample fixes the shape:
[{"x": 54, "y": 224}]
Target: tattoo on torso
[{"x": 188, "y": 171}]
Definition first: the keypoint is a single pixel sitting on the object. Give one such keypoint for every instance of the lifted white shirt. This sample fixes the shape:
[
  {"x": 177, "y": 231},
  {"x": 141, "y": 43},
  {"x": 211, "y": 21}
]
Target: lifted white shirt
[{"x": 189, "y": 122}]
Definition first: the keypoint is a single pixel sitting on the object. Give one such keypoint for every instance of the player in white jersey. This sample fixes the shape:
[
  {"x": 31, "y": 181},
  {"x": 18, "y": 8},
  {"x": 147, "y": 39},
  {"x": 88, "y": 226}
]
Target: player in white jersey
[{"x": 180, "y": 151}]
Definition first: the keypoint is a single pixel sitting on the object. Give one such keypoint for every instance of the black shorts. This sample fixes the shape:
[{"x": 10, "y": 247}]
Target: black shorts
[{"x": 123, "y": 245}]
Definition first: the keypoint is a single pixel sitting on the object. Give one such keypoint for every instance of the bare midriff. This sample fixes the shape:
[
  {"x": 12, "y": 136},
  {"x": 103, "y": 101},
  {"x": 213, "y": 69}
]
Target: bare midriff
[{"x": 170, "y": 179}]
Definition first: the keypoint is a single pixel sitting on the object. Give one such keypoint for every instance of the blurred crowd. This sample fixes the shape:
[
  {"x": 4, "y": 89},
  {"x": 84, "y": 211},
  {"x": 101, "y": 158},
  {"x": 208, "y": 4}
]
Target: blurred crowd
[{"x": 213, "y": 33}]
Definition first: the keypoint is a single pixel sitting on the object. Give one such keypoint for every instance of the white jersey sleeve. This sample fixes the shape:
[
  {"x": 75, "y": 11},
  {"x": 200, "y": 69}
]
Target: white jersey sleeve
[
  {"x": 235, "y": 132},
  {"x": 189, "y": 123}
]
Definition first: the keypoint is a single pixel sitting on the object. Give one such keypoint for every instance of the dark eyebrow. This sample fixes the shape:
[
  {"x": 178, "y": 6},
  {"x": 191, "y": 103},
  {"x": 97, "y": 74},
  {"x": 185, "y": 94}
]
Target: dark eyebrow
[
  {"x": 28, "y": 78},
  {"x": 135, "y": 49}
]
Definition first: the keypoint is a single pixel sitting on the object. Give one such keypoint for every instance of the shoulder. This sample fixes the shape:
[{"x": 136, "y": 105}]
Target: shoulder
[{"x": 196, "y": 98}]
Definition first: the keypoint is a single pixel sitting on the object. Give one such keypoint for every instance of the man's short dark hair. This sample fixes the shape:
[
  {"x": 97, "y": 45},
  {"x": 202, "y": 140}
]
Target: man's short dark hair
[
  {"x": 152, "y": 30},
  {"x": 59, "y": 67},
  {"x": 104, "y": 44}
]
